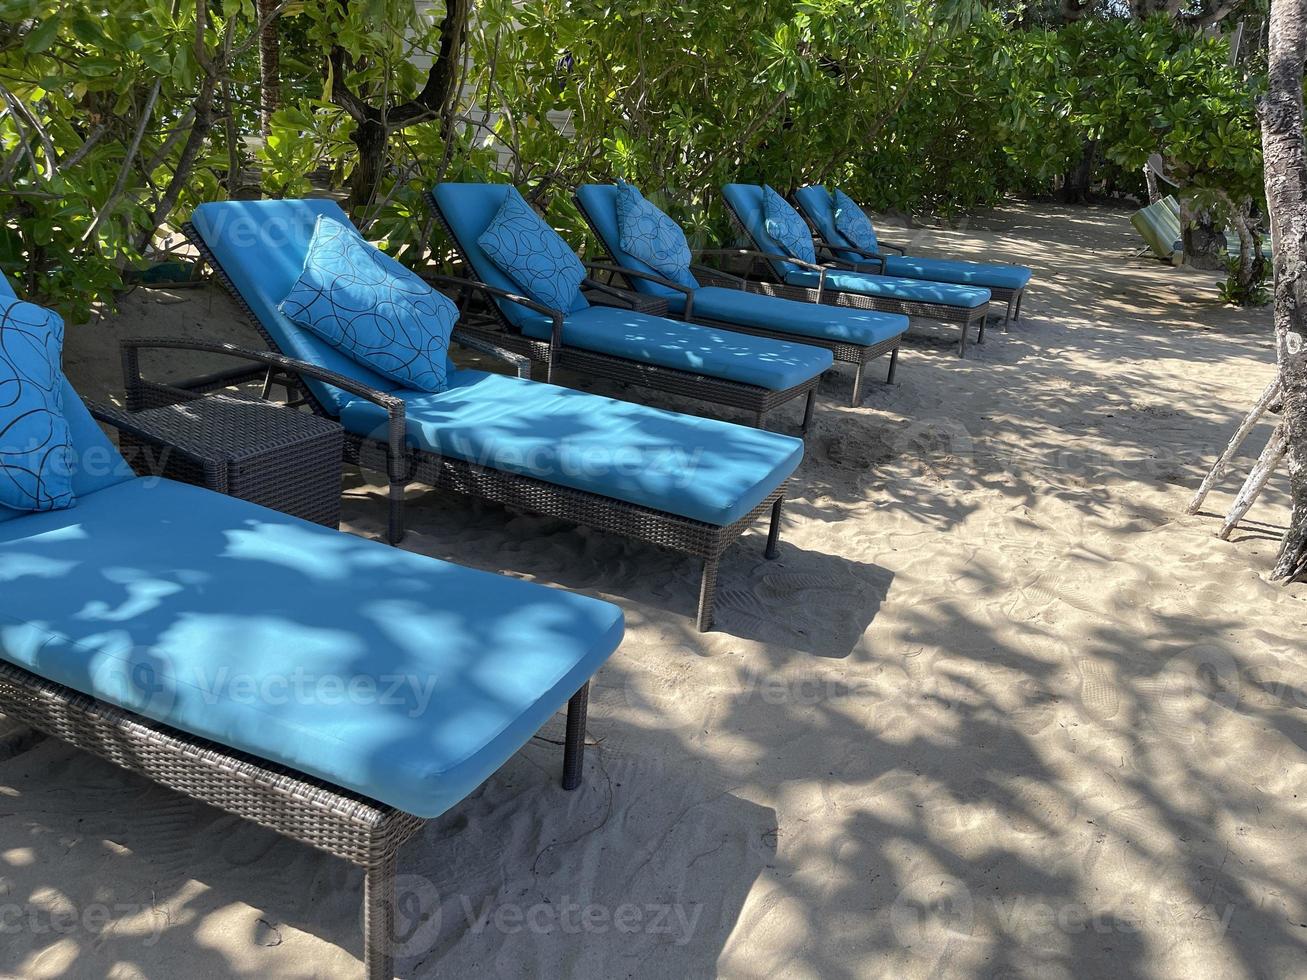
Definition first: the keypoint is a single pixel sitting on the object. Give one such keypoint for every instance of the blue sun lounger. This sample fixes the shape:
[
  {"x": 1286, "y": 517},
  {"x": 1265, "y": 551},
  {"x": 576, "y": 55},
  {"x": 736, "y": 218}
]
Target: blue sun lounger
[
  {"x": 333, "y": 689},
  {"x": 1005, "y": 282},
  {"x": 794, "y": 275},
  {"x": 679, "y": 481},
  {"x": 710, "y": 296}
]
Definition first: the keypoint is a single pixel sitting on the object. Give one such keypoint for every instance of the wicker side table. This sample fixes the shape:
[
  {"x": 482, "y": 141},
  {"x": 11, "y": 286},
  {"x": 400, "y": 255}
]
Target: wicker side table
[{"x": 245, "y": 447}]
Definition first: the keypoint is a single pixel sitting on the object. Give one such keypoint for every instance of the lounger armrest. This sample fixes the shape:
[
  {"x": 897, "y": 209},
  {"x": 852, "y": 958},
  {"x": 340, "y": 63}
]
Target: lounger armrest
[
  {"x": 520, "y": 363},
  {"x": 622, "y": 270},
  {"x": 821, "y": 270},
  {"x": 465, "y": 285},
  {"x": 893, "y": 248},
  {"x": 215, "y": 478},
  {"x": 396, "y": 441},
  {"x": 866, "y": 256}
]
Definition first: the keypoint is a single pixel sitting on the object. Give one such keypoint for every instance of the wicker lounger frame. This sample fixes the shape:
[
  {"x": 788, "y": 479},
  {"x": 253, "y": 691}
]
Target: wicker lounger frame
[
  {"x": 403, "y": 465},
  {"x": 964, "y": 317},
  {"x": 859, "y": 355},
  {"x": 347, "y": 825},
  {"x": 554, "y": 353}
]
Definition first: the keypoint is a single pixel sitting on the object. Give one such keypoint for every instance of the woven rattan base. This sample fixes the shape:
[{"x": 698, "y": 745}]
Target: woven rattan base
[{"x": 343, "y": 824}]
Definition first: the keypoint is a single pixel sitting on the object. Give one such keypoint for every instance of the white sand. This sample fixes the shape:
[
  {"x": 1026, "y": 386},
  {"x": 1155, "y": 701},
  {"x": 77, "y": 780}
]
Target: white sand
[{"x": 999, "y": 709}]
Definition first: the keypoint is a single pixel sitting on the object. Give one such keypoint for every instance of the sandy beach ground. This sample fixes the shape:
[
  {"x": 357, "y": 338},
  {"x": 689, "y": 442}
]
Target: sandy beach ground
[{"x": 999, "y": 709}]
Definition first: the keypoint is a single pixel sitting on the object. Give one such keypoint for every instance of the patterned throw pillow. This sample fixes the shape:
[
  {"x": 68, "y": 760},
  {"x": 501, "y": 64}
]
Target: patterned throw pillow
[
  {"x": 852, "y": 222},
  {"x": 372, "y": 309},
  {"x": 650, "y": 236},
  {"x": 532, "y": 254},
  {"x": 36, "y": 449},
  {"x": 784, "y": 224}
]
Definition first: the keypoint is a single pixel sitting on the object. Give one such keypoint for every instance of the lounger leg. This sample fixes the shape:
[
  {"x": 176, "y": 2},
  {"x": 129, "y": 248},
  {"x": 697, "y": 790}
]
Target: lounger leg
[
  {"x": 1016, "y": 315},
  {"x": 980, "y": 337},
  {"x": 962, "y": 346},
  {"x": 395, "y": 530},
  {"x": 707, "y": 594},
  {"x": 574, "y": 741},
  {"x": 1007, "y": 317},
  {"x": 807, "y": 410},
  {"x": 856, "y": 398},
  {"x": 774, "y": 533},
  {"x": 379, "y": 920},
  {"x": 893, "y": 365}
]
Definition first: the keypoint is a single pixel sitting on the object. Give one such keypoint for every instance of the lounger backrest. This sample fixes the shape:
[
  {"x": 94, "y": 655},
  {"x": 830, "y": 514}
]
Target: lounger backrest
[
  {"x": 261, "y": 246},
  {"x": 468, "y": 210},
  {"x": 818, "y": 206},
  {"x": 96, "y": 462},
  {"x": 745, "y": 200},
  {"x": 1158, "y": 227},
  {"x": 598, "y": 202}
]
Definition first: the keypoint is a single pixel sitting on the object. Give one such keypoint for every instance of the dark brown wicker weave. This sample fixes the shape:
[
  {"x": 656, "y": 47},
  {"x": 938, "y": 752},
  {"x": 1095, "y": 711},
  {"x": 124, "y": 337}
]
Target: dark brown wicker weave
[
  {"x": 555, "y": 354},
  {"x": 762, "y": 272},
  {"x": 335, "y": 820},
  {"x": 707, "y": 542},
  {"x": 289, "y": 461},
  {"x": 856, "y": 354}
]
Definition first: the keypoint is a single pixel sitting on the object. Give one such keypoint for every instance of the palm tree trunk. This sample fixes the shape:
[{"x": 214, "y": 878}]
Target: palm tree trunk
[
  {"x": 269, "y": 64},
  {"x": 1285, "y": 156}
]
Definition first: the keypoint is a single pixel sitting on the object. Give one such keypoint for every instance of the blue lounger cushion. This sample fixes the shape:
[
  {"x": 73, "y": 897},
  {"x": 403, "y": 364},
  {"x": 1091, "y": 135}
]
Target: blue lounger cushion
[
  {"x": 867, "y": 327},
  {"x": 818, "y": 204},
  {"x": 890, "y": 287},
  {"x": 262, "y": 245},
  {"x": 862, "y": 327},
  {"x": 772, "y": 364},
  {"x": 984, "y": 274},
  {"x": 694, "y": 467},
  {"x": 402, "y": 678}
]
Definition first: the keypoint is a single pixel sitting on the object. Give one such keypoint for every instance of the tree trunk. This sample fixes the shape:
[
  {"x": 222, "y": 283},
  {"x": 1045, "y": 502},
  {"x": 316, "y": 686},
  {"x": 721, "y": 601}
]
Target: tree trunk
[
  {"x": 374, "y": 124},
  {"x": 1075, "y": 189},
  {"x": 1204, "y": 242},
  {"x": 1285, "y": 157},
  {"x": 269, "y": 64},
  {"x": 372, "y": 138}
]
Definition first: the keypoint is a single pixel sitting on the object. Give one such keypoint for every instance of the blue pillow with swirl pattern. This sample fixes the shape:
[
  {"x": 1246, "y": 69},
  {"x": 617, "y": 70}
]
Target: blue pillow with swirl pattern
[
  {"x": 784, "y": 224},
  {"x": 372, "y": 309},
  {"x": 649, "y": 235},
  {"x": 36, "y": 446},
  {"x": 852, "y": 222},
  {"x": 533, "y": 255}
]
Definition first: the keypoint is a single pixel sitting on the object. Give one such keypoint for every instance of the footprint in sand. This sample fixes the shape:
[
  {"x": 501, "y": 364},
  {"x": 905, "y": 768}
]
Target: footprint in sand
[{"x": 1096, "y": 692}]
